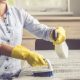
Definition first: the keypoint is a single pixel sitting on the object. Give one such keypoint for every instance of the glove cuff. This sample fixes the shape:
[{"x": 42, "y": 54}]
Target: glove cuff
[
  {"x": 53, "y": 36},
  {"x": 20, "y": 52}
]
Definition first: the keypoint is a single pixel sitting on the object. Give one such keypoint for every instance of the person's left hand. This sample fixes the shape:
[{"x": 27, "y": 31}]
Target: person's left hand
[{"x": 58, "y": 35}]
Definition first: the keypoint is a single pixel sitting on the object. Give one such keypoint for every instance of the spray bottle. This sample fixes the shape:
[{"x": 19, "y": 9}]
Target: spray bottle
[{"x": 61, "y": 49}]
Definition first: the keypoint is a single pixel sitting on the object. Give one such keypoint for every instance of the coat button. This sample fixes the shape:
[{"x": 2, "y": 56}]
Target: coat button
[
  {"x": 6, "y": 67},
  {"x": 8, "y": 40},
  {"x": 7, "y": 59},
  {"x": 7, "y": 24},
  {"x": 9, "y": 31}
]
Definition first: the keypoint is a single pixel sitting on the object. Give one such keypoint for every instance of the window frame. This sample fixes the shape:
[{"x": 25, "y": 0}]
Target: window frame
[{"x": 67, "y": 12}]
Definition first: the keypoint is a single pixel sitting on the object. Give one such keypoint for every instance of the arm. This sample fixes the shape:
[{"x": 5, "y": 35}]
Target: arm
[
  {"x": 43, "y": 31},
  {"x": 36, "y": 28},
  {"x": 20, "y": 52}
]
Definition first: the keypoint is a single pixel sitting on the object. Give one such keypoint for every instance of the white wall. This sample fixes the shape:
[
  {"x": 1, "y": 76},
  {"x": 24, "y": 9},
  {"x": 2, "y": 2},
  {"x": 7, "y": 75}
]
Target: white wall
[{"x": 75, "y": 7}]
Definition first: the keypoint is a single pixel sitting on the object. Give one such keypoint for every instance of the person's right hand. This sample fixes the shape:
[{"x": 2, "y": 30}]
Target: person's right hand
[{"x": 33, "y": 58}]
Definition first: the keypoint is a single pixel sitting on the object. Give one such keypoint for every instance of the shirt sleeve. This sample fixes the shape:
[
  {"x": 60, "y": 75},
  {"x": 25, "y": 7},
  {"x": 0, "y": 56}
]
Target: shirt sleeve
[{"x": 36, "y": 28}]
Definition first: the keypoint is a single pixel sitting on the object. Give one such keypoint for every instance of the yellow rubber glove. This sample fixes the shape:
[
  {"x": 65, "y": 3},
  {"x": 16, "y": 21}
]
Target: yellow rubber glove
[
  {"x": 33, "y": 58},
  {"x": 61, "y": 36}
]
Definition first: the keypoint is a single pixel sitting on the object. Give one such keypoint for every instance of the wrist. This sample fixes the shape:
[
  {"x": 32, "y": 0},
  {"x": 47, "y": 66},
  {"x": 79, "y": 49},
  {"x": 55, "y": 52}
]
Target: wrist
[
  {"x": 53, "y": 35},
  {"x": 5, "y": 49}
]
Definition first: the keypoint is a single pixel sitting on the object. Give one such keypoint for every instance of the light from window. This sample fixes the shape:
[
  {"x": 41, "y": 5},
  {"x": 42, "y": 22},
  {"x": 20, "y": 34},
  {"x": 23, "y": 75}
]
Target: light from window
[{"x": 44, "y": 5}]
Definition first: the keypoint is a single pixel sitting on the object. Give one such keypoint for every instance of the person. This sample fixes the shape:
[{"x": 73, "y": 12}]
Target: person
[{"x": 12, "y": 22}]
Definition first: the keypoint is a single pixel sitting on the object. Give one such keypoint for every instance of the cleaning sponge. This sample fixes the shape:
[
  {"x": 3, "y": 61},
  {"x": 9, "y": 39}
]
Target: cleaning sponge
[{"x": 44, "y": 71}]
